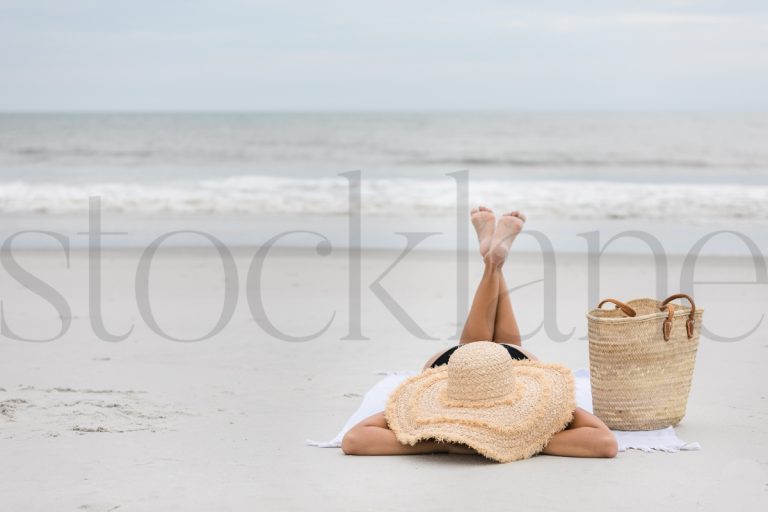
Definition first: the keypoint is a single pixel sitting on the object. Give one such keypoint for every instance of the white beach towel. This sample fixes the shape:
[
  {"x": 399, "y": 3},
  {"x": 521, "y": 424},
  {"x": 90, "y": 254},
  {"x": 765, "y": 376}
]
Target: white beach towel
[{"x": 374, "y": 401}]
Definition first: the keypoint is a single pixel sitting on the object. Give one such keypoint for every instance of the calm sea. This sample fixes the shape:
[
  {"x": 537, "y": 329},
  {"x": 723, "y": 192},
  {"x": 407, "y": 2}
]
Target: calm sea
[{"x": 659, "y": 168}]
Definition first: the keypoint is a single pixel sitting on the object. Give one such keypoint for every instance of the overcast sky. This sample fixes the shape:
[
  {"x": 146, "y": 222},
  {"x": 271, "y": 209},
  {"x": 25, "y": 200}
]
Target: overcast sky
[{"x": 385, "y": 55}]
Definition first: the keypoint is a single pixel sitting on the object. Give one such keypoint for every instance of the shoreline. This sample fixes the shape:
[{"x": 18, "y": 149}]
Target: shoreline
[{"x": 385, "y": 233}]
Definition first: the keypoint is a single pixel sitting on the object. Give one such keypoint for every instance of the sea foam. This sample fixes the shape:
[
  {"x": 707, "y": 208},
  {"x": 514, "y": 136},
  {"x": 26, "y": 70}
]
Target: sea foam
[{"x": 395, "y": 197}]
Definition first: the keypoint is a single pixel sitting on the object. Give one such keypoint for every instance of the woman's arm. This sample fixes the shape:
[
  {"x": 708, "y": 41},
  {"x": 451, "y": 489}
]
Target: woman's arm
[
  {"x": 372, "y": 436},
  {"x": 585, "y": 436}
]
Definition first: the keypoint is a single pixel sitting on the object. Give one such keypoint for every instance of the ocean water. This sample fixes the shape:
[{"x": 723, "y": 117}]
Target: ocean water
[{"x": 666, "y": 169}]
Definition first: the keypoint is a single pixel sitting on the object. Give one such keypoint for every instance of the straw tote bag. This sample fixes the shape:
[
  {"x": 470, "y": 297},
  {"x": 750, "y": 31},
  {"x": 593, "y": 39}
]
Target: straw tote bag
[{"x": 641, "y": 359}]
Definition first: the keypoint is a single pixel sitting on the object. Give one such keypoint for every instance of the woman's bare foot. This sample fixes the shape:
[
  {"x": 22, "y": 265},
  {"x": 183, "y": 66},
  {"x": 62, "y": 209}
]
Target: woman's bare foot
[
  {"x": 484, "y": 221},
  {"x": 509, "y": 226}
]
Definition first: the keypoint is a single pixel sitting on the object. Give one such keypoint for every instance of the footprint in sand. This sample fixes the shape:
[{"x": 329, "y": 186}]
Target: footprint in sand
[{"x": 55, "y": 411}]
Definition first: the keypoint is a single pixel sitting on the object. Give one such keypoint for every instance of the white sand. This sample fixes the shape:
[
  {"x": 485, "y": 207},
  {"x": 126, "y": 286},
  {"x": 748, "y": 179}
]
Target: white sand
[{"x": 152, "y": 424}]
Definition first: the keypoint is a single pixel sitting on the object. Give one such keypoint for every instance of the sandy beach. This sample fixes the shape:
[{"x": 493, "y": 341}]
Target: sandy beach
[
  {"x": 153, "y": 424},
  {"x": 223, "y": 223}
]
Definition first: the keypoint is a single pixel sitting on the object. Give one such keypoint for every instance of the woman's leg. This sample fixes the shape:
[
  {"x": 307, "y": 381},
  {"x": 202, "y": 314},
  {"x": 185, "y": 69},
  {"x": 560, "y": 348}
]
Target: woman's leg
[
  {"x": 482, "y": 314},
  {"x": 491, "y": 317},
  {"x": 505, "y": 328}
]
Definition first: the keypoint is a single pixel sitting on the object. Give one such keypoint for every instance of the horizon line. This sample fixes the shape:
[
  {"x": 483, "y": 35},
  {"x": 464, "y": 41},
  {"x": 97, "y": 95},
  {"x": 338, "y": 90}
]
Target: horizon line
[{"x": 391, "y": 111}]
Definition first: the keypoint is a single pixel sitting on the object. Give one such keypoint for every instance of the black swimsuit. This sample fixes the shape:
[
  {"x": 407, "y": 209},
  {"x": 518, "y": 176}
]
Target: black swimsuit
[{"x": 514, "y": 353}]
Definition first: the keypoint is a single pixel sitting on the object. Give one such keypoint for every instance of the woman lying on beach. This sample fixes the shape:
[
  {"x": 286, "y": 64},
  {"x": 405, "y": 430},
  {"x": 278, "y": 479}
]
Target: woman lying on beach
[{"x": 490, "y": 319}]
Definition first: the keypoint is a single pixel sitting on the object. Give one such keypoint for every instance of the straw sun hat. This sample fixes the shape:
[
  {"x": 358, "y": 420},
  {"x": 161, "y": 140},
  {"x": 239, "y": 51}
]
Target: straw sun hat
[{"x": 505, "y": 409}]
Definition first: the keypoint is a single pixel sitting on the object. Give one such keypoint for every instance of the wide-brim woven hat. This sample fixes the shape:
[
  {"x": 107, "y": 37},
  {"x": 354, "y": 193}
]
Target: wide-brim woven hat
[{"x": 503, "y": 408}]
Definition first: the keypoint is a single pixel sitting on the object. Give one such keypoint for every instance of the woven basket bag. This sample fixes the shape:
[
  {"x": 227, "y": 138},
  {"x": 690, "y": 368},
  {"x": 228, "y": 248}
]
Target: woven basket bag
[{"x": 641, "y": 359}]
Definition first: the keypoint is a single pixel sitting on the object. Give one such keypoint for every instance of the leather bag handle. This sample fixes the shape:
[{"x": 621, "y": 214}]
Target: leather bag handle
[
  {"x": 689, "y": 324},
  {"x": 620, "y": 305}
]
